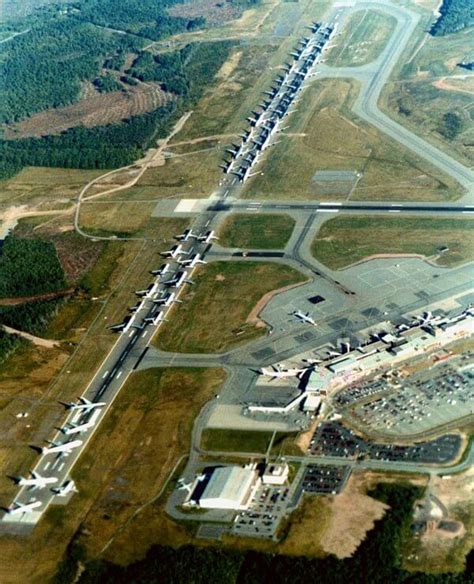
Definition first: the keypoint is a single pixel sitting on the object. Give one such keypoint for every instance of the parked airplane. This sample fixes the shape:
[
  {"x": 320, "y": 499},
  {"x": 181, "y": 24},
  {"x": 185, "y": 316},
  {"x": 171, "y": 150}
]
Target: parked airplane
[
  {"x": 277, "y": 372},
  {"x": 161, "y": 271},
  {"x": 179, "y": 279},
  {"x": 137, "y": 307},
  {"x": 167, "y": 300},
  {"x": 124, "y": 326},
  {"x": 208, "y": 237},
  {"x": 174, "y": 252},
  {"x": 84, "y": 404},
  {"x": 192, "y": 262},
  {"x": 148, "y": 292},
  {"x": 23, "y": 508},
  {"x": 36, "y": 481},
  {"x": 77, "y": 428},
  {"x": 65, "y": 489},
  {"x": 304, "y": 317},
  {"x": 56, "y": 447},
  {"x": 154, "y": 320},
  {"x": 185, "y": 236}
]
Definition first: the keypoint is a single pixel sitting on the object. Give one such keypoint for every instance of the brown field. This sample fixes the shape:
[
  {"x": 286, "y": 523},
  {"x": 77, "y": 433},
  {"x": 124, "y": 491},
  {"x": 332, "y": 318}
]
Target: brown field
[
  {"x": 215, "y": 12},
  {"x": 94, "y": 110}
]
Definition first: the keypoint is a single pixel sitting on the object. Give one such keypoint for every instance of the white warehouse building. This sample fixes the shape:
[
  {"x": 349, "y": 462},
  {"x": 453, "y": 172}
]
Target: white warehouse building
[{"x": 230, "y": 487}]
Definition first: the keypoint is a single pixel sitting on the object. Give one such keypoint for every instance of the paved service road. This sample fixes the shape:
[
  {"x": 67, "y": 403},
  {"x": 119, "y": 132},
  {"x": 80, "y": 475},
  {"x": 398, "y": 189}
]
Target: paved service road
[{"x": 373, "y": 78}]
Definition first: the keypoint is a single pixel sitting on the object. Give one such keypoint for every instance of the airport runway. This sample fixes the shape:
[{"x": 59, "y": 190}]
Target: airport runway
[{"x": 130, "y": 350}]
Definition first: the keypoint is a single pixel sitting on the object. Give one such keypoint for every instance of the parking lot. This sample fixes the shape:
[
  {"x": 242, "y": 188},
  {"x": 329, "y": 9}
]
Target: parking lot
[
  {"x": 333, "y": 439},
  {"x": 324, "y": 479},
  {"x": 265, "y": 513},
  {"x": 420, "y": 402}
]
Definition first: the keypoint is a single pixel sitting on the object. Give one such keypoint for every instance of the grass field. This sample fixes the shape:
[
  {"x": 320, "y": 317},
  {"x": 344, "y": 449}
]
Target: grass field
[
  {"x": 322, "y": 135},
  {"x": 256, "y": 231},
  {"x": 213, "y": 315},
  {"x": 345, "y": 240},
  {"x": 220, "y": 440},
  {"x": 428, "y": 84},
  {"x": 50, "y": 187},
  {"x": 363, "y": 38},
  {"x": 128, "y": 219}
]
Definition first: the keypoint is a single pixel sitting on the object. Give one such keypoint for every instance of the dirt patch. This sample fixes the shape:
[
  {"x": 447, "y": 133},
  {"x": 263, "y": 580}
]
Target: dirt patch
[
  {"x": 220, "y": 278},
  {"x": 215, "y": 12},
  {"x": 253, "y": 317},
  {"x": 303, "y": 440},
  {"x": 442, "y": 84},
  {"x": 93, "y": 110},
  {"x": 229, "y": 66},
  {"x": 46, "y": 343},
  {"x": 26, "y": 299},
  {"x": 353, "y": 514}
]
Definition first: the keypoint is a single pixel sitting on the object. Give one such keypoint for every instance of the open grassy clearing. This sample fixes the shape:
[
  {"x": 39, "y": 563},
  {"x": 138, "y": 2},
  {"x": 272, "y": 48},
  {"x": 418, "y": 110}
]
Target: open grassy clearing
[
  {"x": 192, "y": 176},
  {"x": 256, "y": 231},
  {"x": 48, "y": 187},
  {"x": 363, "y": 38},
  {"x": 128, "y": 219},
  {"x": 213, "y": 316},
  {"x": 223, "y": 440},
  {"x": 428, "y": 84},
  {"x": 129, "y": 458},
  {"x": 344, "y": 240},
  {"x": 322, "y": 135}
]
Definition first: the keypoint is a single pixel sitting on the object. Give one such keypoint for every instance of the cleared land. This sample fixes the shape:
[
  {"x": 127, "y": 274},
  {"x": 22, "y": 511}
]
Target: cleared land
[
  {"x": 96, "y": 109},
  {"x": 256, "y": 231},
  {"x": 127, "y": 219},
  {"x": 345, "y": 240},
  {"x": 364, "y": 37},
  {"x": 217, "y": 440},
  {"x": 213, "y": 315},
  {"x": 324, "y": 135},
  {"x": 428, "y": 85}
]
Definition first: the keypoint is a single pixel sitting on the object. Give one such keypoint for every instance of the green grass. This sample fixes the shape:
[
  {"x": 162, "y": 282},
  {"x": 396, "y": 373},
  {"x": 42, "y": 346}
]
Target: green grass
[
  {"x": 345, "y": 240},
  {"x": 214, "y": 313},
  {"x": 257, "y": 231},
  {"x": 223, "y": 440},
  {"x": 364, "y": 37}
]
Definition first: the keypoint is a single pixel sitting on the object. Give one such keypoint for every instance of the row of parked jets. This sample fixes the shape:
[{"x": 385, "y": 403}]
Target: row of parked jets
[
  {"x": 89, "y": 411},
  {"x": 278, "y": 103}
]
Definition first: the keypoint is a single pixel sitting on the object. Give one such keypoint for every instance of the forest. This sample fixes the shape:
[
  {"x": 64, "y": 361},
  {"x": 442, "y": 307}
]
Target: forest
[
  {"x": 29, "y": 267},
  {"x": 377, "y": 560},
  {"x": 187, "y": 73},
  {"x": 454, "y": 16},
  {"x": 9, "y": 344},
  {"x": 31, "y": 317}
]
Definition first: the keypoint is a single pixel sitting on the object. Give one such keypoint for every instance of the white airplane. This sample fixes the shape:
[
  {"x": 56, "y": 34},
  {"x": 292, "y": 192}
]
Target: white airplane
[
  {"x": 161, "y": 271},
  {"x": 154, "y": 320},
  {"x": 65, "y": 489},
  {"x": 137, "y": 307},
  {"x": 208, "y": 237},
  {"x": 167, "y": 300},
  {"x": 124, "y": 326},
  {"x": 78, "y": 428},
  {"x": 277, "y": 372},
  {"x": 84, "y": 404},
  {"x": 24, "y": 508},
  {"x": 192, "y": 262},
  {"x": 185, "y": 236},
  {"x": 174, "y": 252},
  {"x": 56, "y": 447},
  {"x": 148, "y": 292},
  {"x": 180, "y": 279},
  {"x": 36, "y": 481},
  {"x": 304, "y": 317}
]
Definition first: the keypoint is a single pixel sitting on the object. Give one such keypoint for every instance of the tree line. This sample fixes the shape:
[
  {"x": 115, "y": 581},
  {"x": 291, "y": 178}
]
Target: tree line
[
  {"x": 454, "y": 16},
  {"x": 29, "y": 267}
]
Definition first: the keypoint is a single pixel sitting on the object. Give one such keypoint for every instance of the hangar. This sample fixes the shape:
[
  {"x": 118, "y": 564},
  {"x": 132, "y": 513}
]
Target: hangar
[{"x": 229, "y": 487}]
